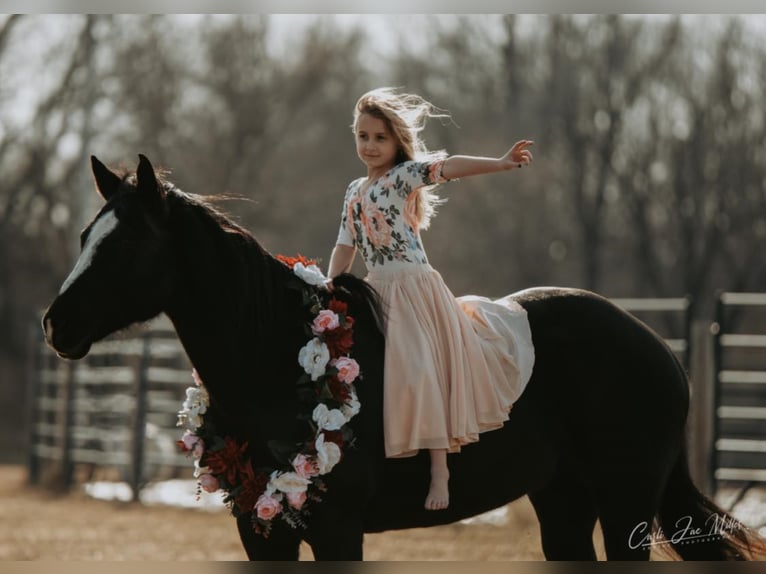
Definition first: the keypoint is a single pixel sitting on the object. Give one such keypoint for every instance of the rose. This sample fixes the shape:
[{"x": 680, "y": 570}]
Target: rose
[
  {"x": 310, "y": 274},
  {"x": 305, "y": 466},
  {"x": 348, "y": 369},
  {"x": 338, "y": 306},
  {"x": 193, "y": 407},
  {"x": 289, "y": 482},
  {"x": 296, "y": 499},
  {"x": 325, "y": 320},
  {"x": 208, "y": 482},
  {"x": 328, "y": 454},
  {"x": 191, "y": 442},
  {"x": 339, "y": 341},
  {"x": 267, "y": 507},
  {"x": 327, "y": 419},
  {"x": 190, "y": 439},
  {"x": 313, "y": 357}
]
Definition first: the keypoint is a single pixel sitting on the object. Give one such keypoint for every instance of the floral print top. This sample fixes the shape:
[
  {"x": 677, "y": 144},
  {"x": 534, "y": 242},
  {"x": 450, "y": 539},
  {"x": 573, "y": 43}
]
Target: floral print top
[{"x": 380, "y": 221}]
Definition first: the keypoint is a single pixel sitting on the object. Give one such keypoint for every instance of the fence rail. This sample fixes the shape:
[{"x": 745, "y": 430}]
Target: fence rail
[
  {"x": 115, "y": 408},
  {"x": 671, "y": 317},
  {"x": 740, "y": 388}
]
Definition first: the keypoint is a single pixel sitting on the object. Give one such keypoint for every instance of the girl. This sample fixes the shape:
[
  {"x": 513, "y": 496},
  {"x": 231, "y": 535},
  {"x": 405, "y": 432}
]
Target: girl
[{"x": 453, "y": 367}]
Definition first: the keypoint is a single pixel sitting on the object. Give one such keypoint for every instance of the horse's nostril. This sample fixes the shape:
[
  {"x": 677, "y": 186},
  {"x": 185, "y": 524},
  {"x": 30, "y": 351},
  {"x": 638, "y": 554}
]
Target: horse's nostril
[{"x": 48, "y": 328}]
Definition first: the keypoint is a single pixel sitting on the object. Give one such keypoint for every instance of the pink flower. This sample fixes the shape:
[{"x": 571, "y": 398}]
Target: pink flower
[
  {"x": 267, "y": 507},
  {"x": 348, "y": 369},
  {"x": 196, "y": 377},
  {"x": 305, "y": 466},
  {"x": 296, "y": 499},
  {"x": 326, "y": 320},
  {"x": 199, "y": 449},
  {"x": 208, "y": 482},
  {"x": 190, "y": 440},
  {"x": 376, "y": 227}
]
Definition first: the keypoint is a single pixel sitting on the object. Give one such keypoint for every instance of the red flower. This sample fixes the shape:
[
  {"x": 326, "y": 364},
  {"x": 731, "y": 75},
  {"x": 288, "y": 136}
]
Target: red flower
[
  {"x": 227, "y": 462},
  {"x": 334, "y": 436},
  {"x": 340, "y": 391},
  {"x": 340, "y": 340},
  {"x": 337, "y": 306},
  {"x": 291, "y": 261},
  {"x": 253, "y": 486}
]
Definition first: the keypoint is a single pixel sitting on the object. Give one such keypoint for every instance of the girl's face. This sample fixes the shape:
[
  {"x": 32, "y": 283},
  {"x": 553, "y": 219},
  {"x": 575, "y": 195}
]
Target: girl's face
[{"x": 375, "y": 145}]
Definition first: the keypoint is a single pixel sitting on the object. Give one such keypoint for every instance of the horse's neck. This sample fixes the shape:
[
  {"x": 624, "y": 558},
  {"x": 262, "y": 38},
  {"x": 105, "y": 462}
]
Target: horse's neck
[{"x": 229, "y": 310}]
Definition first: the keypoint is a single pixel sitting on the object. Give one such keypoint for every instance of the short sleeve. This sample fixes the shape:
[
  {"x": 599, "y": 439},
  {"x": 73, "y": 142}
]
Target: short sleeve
[
  {"x": 346, "y": 231},
  {"x": 412, "y": 175}
]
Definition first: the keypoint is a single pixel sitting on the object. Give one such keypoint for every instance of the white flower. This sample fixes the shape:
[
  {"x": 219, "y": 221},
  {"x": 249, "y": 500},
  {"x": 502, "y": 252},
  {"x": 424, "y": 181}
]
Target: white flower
[
  {"x": 327, "y": 419},
  {"x": 196, "y": 397},
  {"x": 328, "y": 454},
  {"x": 314, "y": 358},
  {"x": 195, "y": 405},
  {"x": 311, "y": 274},
  {"x": 352, "y": 407},
  {"x": 289, "y": 482}
]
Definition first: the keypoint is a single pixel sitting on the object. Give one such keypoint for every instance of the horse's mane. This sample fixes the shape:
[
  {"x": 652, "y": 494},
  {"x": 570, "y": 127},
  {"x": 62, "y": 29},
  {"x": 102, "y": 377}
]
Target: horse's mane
[{"x": 215, "y": 219}]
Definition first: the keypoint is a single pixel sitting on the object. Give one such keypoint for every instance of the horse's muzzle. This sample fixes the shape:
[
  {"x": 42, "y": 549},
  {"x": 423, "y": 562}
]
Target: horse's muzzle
[{"x": 59, "y": 340}]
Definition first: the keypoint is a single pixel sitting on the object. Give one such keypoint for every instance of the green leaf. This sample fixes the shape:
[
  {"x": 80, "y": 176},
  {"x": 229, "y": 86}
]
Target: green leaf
[
  {"x": 325, "y": 394},
  {"x": 304, "y": 379},
  {"x": 282, "y": 451},
  {"x": 306, "y": 394}
]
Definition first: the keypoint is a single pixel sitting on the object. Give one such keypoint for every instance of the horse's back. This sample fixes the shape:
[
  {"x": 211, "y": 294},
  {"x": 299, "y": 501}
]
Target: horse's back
[
  {"x": 605, "y": 374},
  {"x": 603, "y": 383}
]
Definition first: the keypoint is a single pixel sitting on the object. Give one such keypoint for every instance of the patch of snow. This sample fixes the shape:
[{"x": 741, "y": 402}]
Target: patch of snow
[
  {"x": 497, "y": 517},
  {"x": 181, "y": 493}
]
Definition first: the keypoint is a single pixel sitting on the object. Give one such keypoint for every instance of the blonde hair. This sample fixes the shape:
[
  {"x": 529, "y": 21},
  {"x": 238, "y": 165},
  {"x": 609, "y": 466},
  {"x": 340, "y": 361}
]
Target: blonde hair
[{"x": 405, "y": 117}]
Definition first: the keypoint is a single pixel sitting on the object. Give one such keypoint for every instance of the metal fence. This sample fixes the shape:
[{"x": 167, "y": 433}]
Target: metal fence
[{"x": 739, "y": 421}]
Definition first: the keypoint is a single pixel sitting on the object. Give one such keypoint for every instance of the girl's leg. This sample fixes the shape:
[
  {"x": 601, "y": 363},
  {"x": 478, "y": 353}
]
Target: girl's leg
[{"x": 438, "y": 493}]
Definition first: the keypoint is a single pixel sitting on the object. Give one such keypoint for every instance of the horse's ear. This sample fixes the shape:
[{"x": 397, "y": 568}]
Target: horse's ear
[
  {"x": 148, "y": 186},
  {"x": 107, "y": 183},
  {"x": 146, "y": 181}
]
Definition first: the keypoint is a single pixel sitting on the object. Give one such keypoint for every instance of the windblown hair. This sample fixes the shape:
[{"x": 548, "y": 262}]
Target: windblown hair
[{"x": 405, "y": 117}]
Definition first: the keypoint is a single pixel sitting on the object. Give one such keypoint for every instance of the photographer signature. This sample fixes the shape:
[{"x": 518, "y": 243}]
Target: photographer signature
[{"x": 715, "y": 527}]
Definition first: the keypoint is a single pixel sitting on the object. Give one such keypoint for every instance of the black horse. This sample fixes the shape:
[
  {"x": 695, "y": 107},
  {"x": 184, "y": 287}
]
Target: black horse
[{"x": 597, "y": 435}]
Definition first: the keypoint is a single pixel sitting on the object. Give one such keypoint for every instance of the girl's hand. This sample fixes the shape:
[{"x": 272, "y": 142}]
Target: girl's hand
[
  {"x": 328, "y": 285},
  {"x": 518, "y": 155}
]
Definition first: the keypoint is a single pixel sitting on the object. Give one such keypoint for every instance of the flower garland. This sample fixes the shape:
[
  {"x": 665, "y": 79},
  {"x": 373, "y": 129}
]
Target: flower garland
[{"x": 326, "y": 386}]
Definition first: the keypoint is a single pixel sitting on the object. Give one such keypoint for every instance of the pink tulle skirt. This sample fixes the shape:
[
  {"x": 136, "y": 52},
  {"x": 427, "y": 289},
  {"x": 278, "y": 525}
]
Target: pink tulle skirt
[{"x": 453, "y": 366}]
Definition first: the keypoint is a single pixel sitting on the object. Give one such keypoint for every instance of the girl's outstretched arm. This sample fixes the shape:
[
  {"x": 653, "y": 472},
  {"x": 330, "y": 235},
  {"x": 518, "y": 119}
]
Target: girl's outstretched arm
[{"x": 457, "y": 166}]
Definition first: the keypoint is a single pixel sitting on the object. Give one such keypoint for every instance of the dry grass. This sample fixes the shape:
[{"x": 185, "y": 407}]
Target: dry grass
[{"x": 40, "y": 525}]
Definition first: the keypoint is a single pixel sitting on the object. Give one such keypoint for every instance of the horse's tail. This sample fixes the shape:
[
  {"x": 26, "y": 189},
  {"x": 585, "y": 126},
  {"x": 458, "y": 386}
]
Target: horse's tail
[
  {"x": 364, "y": 293},
  {"x": 684, "y": 509}
]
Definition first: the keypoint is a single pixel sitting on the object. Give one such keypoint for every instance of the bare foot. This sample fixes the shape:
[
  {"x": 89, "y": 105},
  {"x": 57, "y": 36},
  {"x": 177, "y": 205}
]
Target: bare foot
[{"x": 438, "y": 493}]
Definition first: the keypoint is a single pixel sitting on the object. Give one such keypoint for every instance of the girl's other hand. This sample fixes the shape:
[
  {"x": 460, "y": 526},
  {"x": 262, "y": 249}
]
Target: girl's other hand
[
  {"x": 328, "y": 285},
  {"x": 518, "y": 155}
]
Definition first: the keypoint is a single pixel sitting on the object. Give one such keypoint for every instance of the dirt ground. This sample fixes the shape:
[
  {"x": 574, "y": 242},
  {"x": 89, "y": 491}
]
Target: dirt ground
[{"x": 36, "y": 524}]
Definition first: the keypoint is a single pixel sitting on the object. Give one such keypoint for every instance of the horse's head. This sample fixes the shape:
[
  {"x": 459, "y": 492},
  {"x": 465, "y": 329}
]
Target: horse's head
[{"x": 122, "y": 275}]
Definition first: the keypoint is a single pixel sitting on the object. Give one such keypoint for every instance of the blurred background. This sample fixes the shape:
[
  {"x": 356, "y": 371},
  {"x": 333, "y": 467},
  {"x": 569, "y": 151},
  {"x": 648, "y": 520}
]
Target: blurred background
[{"x": 649, "y": 177}]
